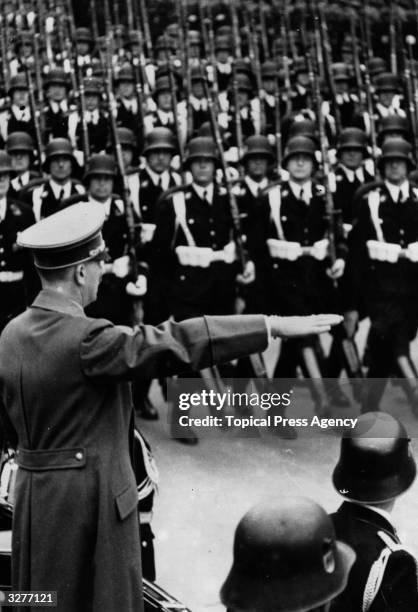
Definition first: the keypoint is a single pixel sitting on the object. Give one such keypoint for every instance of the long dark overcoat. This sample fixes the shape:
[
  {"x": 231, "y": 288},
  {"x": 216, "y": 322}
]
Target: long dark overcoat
[{"x": 64, "y": 382}]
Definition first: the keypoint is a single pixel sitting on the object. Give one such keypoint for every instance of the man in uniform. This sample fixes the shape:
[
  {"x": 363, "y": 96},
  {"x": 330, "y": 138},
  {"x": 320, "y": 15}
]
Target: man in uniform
[
  {"x": 382, "y": 271},
  {"x": 19, "y": 117},
  {"x": 375, "y": 467},
  {"x": 294, "y": 232},
  {"x": 58, "y": 113},
  {"x": 65, "y": 395},
  {"x": 19, "y": 146},
  {"x": 60, "y": 164},
  {"x": 286, "y": 559},
  {"x": 98, "y": 129},
  {"x": 15, "y": 265}
]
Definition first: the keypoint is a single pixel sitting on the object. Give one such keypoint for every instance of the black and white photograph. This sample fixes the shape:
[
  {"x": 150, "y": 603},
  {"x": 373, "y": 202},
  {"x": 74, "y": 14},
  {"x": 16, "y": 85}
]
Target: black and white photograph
[{"x": 209, "y": 305}]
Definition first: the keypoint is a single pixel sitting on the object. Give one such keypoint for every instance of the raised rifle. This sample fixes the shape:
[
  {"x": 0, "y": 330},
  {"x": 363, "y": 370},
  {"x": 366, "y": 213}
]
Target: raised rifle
[
  {"x": 237, "y": 112},
  {"x": 146, "y": 26},
  {"x": 3, "y": 49},
  {"x": 136, "y": 64},
  {"x": 412, "y": 89},
  {"x": 131, "y": 222},
  {"x": 174, "y": 105}
]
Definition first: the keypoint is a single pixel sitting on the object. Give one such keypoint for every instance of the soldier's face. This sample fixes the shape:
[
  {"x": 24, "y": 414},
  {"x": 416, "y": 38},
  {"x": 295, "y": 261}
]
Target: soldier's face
[
  {"x": 303, "y": 79},
  {"x": 56, "y": 92},
  {"x": 222, "y": 56},
  {"x": 4, "y": 183},
  {"x": 20, "y": 97},
  {"x": 257, "y": 167},
  {"x": 300, "y": 167},
  {"x": 159, "y": 160},
  {"x": 352, "y": 158},
  {"x": 194, "y": 51},
  {"x": 203, "y": 171},
  {"x": 197, "y": 89},
  {"x": 386, "y": 97},
  {"x": 26, "y": 50},
  {"x": 92, "y": 102},
  {"x": 242, "y": 98},
  {"x": 101, "y": 187},
  {"x": 164, "y": 100},
  {"x": 126, "y": 89},
  {"x": 269, "y": 85},
  {"x": 20, "y": 161},
  {"x": 83, "y": 48},
  {"x": 341, "y": 87},
  {"x": 60, "y": 168},
  {"x": 127, "y": 155},
  {"x": 395, "y": 170}
]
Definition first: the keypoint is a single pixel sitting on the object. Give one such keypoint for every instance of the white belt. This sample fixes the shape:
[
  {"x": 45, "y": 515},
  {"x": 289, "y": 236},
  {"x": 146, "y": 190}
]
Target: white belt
[
  {"x": 203, "y": 257},
  {"x": 10, "y": 277},
  {"x": 145, "y": 517},
  {"x": 147, "y": 232},
  {"x": 390, "y": 252},
  {"x": 284, "y": 249}
]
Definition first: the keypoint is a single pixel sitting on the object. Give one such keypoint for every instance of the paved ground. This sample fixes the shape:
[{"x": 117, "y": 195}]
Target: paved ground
[{"x": 205, "y": 490}]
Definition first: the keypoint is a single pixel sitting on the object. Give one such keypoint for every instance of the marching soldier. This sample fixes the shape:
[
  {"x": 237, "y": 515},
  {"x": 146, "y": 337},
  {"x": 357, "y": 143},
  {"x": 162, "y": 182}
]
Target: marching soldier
[
  {"x": 96, "y": 119},
  {"x": 20, "y": 148},
  {"x": 224, "y": 59},
  {"x": 58, "y": 112},
  {"x": 287, "y": 558},
  {"x": 294, "y": 231},
  {"x": 247, "y": 115},
  {"x": 15, "y": 265},
  {"x": 350, "y": 172},
  {"x": 197, "y": 104},
  {"x": 84, "y": 46},
  {"x": 127, "y": 102},
  {"x": 60, "y": 164},
  {"x": 393, "y": 126},
  {"x": 375, "y": 467},
  {"x": 163, "y": 115},
  {"x": 382, "y": 270},
  {"x": 18, "y": 118},
  {"x": 346, "y": 101},
  {"x": 194, "y": 254}
]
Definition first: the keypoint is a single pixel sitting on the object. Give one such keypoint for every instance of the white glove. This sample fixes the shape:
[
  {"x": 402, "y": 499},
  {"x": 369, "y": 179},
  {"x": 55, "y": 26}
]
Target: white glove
[
  {"x": 194, "y": 256},
  {"x": 283, "y": 249},
  {"x": 337, "y": 269},
  {"x": 412, "y": 252},
  {"x": 320, "y": 249},
  {"x": 248, "y": 276},
  {"x": 120, "y": 266},
  {"x": 139, "y": 288},
  {"x": 147, "y": 232},
  {"x": 383, "y": 251}
]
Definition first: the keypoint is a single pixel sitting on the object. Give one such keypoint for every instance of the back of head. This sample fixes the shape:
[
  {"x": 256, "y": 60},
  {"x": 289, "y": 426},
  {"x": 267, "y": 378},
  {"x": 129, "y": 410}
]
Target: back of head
[
  {"x": 286, "y": 558},
  {"x": 376, "y": 463}
]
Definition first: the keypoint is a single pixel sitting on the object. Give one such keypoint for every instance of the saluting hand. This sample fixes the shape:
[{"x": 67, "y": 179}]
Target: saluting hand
[{"x": 294, "y": 327}]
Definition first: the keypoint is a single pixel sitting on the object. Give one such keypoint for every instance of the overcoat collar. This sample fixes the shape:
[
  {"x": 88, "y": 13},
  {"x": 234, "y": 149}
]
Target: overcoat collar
[{"x": 60, "y": 302}]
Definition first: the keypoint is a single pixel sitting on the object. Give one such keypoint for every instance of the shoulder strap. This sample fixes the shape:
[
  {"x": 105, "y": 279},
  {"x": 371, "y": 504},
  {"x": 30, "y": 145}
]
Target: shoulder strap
[
  {"x": 377, "y": 570},
  {"x": 275, "y": 202},
  {"x": 179, "y": 205},
  {"x": 374, "y": 203}
]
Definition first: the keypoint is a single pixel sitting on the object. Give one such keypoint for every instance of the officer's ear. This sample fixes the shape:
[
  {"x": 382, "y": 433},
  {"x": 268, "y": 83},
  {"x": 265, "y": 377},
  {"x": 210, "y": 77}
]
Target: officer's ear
[{"x": 80, "y": 274}]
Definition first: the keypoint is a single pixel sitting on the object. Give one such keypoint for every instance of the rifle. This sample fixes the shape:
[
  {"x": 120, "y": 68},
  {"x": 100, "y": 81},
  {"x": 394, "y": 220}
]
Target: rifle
[
  {"x": 93, "y": 17},
  {"x": 264, "y": 38},
  {"x": 136, "y": 64},
  {"x": 128, "y": 206},
  {"x": 392, "y": 38},
  {"x": 3, "y": 50},
  {"x": 35, "y": 114},
  {"x": 328, "y": 64},
  {"x": 256, "y": 68},
  {"x": 147, "y": 32},
  {"x": 256, "y": 360},
  {"x": 277, "y": 125},
  {"x": 235, "y": 29},
  {"x": 370, "y": 112},
  {"x": 356, "y": 59},
  {"x": 412, "y": 90},
  {"x": 174, "y": 100},
  {"x": 237, "y": 112}
]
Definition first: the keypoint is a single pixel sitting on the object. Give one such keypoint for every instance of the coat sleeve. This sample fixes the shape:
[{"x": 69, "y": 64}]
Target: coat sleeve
[{"x": 109, "y": 351}]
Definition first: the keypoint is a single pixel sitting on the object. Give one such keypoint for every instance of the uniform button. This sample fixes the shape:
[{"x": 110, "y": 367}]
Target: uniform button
[
  {"x": 1, "y": 250},
  {"x": 3, "y": 264},
  {"x": 182, "y": 277},
  {"x": 306, "y": 230},
  {"x": 212, "y": 233},
  {"x": 145, "y": 207},
  {"x": 214, "y": 246},
  {"x": 79, "y": 456},
  {"x": 402, "y": 232},
  {"x": 306, "y": 243},
  {"x": 275, "y": 266}
]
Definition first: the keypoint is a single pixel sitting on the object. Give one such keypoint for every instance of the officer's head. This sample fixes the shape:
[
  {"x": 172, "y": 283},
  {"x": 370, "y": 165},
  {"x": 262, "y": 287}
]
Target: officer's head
[
  {"x": 100, "y": 176},
  {"x": 376, "y": 463},
  {"x": 387, "y": 87},
  {"x": 195, "y": 43},
  {"x": 341, "y": 77},
  {"x": 286, "y": 559},
  {"x": 84, "y": 41},
  {"x": 196, "y": 85},
  {"x": 59, "y": 159},
  {"x": 257, "y": 157},
  {"x": 164, "y": 99},
  {"x": 160, "y": 146},
  {"x": 223, "y": 49},
  {"x": 5, "y": 170},
  {"x": 19, "y": 146},
  {"x": 68, "y": 250},
  {"x": 396, "y": 161},
  {"x": 202, "y": 160},
  {"x": 299, "y": 159},
  {"x": 301, "y": 72}
]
